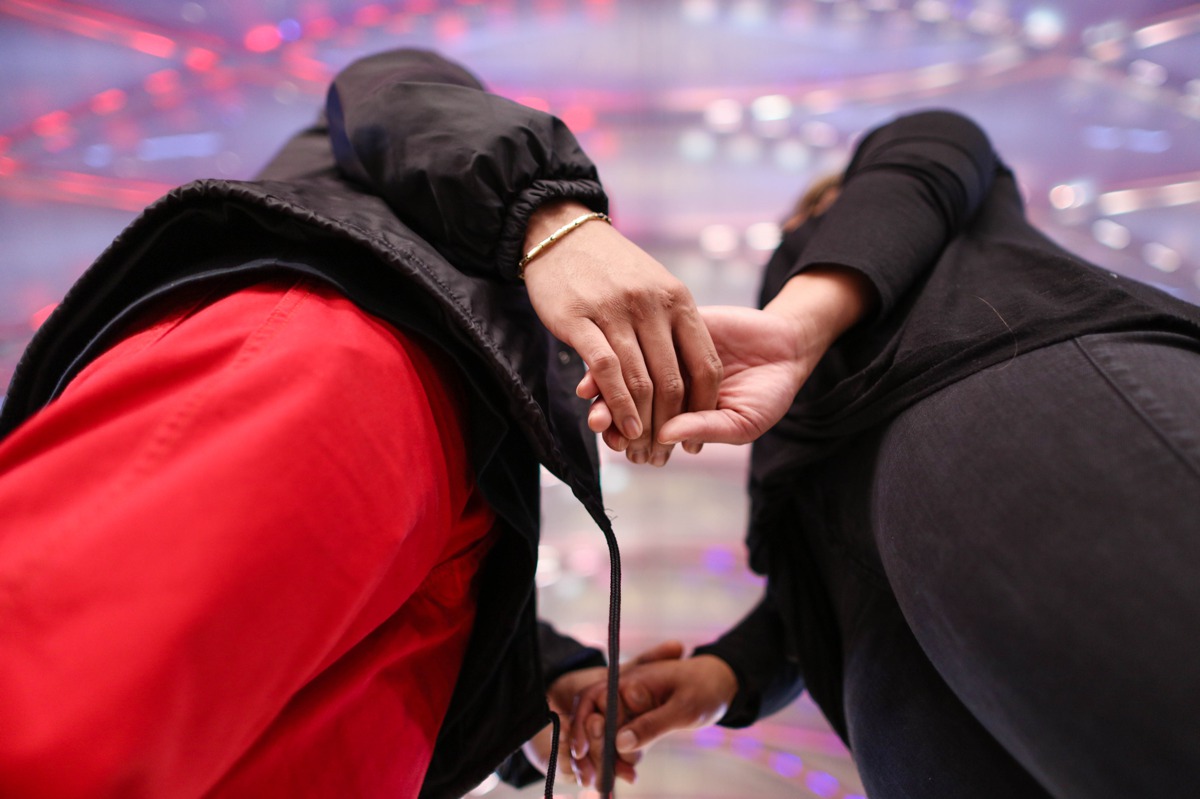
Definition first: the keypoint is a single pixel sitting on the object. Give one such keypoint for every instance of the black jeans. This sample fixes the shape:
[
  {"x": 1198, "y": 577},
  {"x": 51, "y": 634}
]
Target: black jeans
[{"x": 1014, "y": 566}]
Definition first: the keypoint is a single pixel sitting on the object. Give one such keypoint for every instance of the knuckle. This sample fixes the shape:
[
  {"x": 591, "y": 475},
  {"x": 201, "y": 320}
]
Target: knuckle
[
  {"x": 604, "y": 360},
  {"x": 671, "y": 386},
  {"x": 640, "y": 384},
  {"x": 712, "y": 366}
]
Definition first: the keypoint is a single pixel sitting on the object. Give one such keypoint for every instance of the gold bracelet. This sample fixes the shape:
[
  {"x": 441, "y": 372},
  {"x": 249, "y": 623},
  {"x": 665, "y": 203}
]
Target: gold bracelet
[{"x": 547, "y": 242}]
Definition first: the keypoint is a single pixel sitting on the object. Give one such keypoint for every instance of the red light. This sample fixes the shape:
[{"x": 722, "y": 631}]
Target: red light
[
  {"x": 8, "y": 166},
  {"x": 579, "y": 118},
  {"x": 41, "y": 315},
  {"x": 161, "y": 82},
  {"x": 152, "y": 44},
  {"x": 4, "y": 143},
  {"x": 370, "y": 16},
  {"x": 534, "y": 102},
  {"x": 51, "y": 124},
  {"x": 199, "y": 59},
  {"x": 262, "y": 39},
  {"x": 108, "y": 102},
  {"x": 450, "y": 26},
  {"x": 421, "y": 6},
  {"x": 320, "y": 28}
]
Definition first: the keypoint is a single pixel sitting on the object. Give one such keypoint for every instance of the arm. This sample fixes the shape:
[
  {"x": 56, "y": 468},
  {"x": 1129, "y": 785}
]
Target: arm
[
  {"x": 912, "y": 186},
  {"x": 733, "y": 681},
  {"x": 482, "y": 179},
  {"x": 570, "y": 670}
]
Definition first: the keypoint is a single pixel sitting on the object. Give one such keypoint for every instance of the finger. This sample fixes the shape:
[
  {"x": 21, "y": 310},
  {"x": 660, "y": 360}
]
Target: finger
[
  {"x": 649, "y": 727},
  {"x": 692, "y": 447},
  {"x": 658, "y": 349},
  {"x": 640, "y": 385},
  {"x": 714, "y": 427},
  {"x": 626, "y": 772},
  {"x": 614, "y": 440},
  {"x": 699, "y": 357},
  {"x": 587, "y": 388},
  {"x": 667, "y": 650},
  {"x": 599, "y": 416},
  {"x": 637, "y": 698},
  {"x": 588, "y": 703},
  {"x": 611, "y": 372}
]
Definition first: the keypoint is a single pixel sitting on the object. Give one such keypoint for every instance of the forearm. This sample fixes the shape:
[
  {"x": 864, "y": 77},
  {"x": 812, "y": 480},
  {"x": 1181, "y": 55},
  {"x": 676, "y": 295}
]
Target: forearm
[
  {"x": 824, "y": 302},
  {"x": 912, "y": 185},
  {"x": 755, "y": 652}
]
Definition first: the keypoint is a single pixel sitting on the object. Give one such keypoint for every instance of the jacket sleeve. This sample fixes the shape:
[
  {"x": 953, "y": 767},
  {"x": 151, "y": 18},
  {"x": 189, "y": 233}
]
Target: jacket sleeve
[
  {"x": 911, "y": 186},
  {"x": 767, "y": 679},
  {"x": 560, "y": 654},
  {"x": 463, "y": 168}
]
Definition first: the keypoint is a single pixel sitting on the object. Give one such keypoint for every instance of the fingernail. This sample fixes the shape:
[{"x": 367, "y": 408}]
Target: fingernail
[
  {"x": 632, "y": 427},
  {"x": 626, "y": 741},
  {"x": 659, "y": 459},
  {"x": 638, "y": 456},
  {"x": 595, "y": 727},
  {"x": 692, "y": 448}
]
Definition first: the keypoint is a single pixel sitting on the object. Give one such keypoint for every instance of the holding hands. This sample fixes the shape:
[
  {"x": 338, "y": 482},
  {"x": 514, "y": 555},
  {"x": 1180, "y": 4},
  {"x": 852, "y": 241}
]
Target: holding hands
[
  {"x": 766, "y": 357},
  {"x": 659, "y": 692}
]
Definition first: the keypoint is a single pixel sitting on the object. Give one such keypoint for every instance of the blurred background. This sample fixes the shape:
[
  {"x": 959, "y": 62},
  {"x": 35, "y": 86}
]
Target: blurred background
[{"x": 706, "y": 119}]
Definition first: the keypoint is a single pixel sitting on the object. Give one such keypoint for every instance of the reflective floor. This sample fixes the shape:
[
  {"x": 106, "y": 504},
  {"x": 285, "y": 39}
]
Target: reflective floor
[{"x": 706, "y": 118}]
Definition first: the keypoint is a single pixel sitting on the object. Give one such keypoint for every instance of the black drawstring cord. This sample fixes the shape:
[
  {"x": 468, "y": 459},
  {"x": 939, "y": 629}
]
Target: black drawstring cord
[
  {"x": 552, "y": 766},
  {"x": 608, "y": 761}
]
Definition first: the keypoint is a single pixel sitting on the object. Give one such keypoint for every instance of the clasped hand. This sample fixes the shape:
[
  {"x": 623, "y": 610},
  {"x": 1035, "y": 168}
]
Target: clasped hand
[{"x": 659, "y": 692}]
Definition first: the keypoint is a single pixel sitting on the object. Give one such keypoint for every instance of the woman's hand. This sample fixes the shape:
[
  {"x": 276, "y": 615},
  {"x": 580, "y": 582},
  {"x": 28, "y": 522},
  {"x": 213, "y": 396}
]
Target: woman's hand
[
  {"x": 634, "y": 324},
  {"x": 659, "y": 697},
  {"x": 767, "y": 355},
  {"x": 563, "y": 697}
]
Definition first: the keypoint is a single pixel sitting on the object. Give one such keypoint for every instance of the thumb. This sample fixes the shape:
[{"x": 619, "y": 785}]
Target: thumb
[
  {"x": 667, "y": 650},
  {"x": 648, "y": 728},
  {"x": 709, "y": 427}
]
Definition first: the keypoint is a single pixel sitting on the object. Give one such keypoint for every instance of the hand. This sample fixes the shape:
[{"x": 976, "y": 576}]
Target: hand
[
  {"x": 767, "y": 355},
  {"x": 661, "y": 697},
  {"x": 634, "y": 324},
  {"x": 562, "y": 698}
]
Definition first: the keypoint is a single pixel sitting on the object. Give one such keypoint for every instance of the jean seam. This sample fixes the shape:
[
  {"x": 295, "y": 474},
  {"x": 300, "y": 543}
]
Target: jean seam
[{"x": 1141, "y": 413}]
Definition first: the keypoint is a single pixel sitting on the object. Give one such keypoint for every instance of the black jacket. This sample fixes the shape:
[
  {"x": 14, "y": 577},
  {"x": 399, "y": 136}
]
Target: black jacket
[
  {"x": 412, "y": 200},
  {"x": 933, "y": 218}
]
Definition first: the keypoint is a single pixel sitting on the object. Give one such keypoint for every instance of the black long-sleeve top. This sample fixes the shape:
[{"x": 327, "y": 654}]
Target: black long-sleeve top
[{"x": 934, "y": 220}]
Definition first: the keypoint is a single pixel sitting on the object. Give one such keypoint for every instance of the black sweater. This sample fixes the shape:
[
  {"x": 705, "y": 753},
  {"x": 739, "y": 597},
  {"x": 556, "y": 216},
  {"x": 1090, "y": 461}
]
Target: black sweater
[{"x": 933, "y": 218}]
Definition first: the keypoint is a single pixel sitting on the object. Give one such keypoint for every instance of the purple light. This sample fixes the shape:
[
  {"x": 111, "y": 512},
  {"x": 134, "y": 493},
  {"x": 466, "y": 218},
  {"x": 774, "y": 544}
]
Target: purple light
[
  {"x": 787, "y": 764},
  {"x": 709, "y": 737},
  {"x": 719, "y": 560},
  {"x": 746, "y": 746},
  {"x": 822, "y": 784},
  {"x": 289, "y": 30}
]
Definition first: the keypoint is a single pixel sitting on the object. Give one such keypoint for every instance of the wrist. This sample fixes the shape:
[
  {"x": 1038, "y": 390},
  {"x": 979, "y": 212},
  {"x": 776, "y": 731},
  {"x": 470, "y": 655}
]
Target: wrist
[
  {"x": 824, "y": 302},
  {"x": 722, "y": 679},
  {"x": 548, "y": 218}
]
